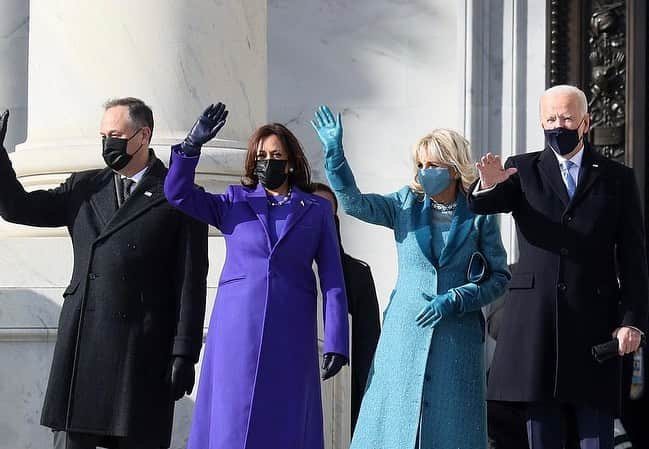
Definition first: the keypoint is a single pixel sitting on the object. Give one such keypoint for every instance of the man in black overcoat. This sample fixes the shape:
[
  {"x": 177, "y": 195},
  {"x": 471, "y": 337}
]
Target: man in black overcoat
[
  {"x": 581, "y": 277},
  {"x": 130, "y": 329},
  {"x": 363, "y": 306}
]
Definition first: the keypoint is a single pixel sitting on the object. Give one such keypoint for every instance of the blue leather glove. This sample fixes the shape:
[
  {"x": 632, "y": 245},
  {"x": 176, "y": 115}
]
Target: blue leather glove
[
  {"x": 437, "y": 309},
  {"x": 331, "y": 364},
  {"x": 330, "y": 133},
  {"x": 4, "y": 117},
  {"x": 204, "y": 130}
]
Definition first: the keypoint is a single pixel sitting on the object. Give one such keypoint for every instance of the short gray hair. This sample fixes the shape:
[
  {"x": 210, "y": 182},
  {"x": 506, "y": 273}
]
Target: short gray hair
[
  {"x": 140, "y": 114},
  {"x": 567, "y": 89}
]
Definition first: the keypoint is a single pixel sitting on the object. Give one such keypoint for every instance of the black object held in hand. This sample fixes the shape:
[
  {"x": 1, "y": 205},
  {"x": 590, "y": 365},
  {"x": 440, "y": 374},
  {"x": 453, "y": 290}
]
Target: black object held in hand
[{"x": 608, "y": 350}]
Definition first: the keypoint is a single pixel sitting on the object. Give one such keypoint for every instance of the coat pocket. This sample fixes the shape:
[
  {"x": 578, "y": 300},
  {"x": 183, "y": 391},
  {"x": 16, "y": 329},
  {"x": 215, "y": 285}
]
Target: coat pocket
[
  {"x": 521, "y": 281},
  {"x": 231, "y": 280}
]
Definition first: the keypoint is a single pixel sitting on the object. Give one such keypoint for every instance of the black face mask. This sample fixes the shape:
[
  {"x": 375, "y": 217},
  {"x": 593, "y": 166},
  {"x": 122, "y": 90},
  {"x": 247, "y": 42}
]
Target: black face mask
[
  {"x": 563, "y": 140},
  {"x": 271, "y": 172},
  {"x": 114, "y": 151}
]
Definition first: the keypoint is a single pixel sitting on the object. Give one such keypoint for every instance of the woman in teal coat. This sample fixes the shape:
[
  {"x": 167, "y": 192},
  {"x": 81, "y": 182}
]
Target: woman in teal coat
[{"x": 426, "y": 388}]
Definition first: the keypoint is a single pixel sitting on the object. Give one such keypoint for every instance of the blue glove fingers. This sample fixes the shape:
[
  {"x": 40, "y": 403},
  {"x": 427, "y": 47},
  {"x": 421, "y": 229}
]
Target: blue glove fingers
[
  {"x": 422, "y": 312},
  {"x": 321, "y": 119},
  {"x": 426, "y": 315},
  {"x": 315, "y": 127},
  {"x": 436, "y": 321},
  {"x": 328, "y": 115},
  {"x": 434, "y": 318}
]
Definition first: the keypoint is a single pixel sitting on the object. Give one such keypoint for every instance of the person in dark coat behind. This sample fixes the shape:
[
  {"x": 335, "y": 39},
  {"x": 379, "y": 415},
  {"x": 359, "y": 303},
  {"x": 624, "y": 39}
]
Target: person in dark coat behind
[
  {"x": 581, "y": 277},
  {"x": 363, "y": 306},
  {"x": 130, "y": 329}
]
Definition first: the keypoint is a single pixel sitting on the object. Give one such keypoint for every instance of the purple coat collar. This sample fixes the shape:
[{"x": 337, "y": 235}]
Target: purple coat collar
[{"x": 300, "y": 203}]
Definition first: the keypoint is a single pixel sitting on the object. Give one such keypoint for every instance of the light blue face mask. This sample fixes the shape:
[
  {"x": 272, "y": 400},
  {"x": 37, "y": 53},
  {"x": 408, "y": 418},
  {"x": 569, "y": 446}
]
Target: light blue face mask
[{"x": 434, "y": 180}]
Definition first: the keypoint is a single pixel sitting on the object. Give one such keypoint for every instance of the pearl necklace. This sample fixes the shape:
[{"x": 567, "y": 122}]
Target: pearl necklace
[
  {"x": 283, "y": 201},
  {"x": 444, "y": 208}
]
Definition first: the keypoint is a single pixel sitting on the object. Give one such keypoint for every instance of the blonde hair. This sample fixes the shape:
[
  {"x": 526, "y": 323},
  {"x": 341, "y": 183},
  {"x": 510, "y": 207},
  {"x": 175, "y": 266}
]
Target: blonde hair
[{"x": 447, "y": 146}]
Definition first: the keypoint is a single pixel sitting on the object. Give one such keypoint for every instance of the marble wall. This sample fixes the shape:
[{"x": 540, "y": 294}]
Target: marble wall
[{"x": 178, "y": 55}]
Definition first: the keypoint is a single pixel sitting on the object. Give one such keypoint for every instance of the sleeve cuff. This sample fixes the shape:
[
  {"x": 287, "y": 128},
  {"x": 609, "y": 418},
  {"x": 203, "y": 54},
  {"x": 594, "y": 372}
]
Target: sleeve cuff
[
  {"x": 186, "y": 347},
  {"x": 478, "y": 191},
  {"x": 178, "y": 150},
  {"x": 635, "y": 328}
]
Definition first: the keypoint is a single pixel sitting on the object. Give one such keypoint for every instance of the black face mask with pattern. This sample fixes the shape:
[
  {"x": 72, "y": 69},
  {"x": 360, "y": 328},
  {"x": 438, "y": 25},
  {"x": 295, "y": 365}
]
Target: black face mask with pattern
[{"x": 271, "y": 172}]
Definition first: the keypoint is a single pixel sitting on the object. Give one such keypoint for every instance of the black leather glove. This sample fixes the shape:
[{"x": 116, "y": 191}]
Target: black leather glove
[
  {"x": 182, "y": 377},
  {"x": 331, "y": 364},
  {"x": 204, "y": 130},
  {"x": 4, "y": 118}
]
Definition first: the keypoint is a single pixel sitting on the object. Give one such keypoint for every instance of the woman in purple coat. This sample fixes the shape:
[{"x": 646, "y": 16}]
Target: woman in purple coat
[{"x": 259, "y": 385}]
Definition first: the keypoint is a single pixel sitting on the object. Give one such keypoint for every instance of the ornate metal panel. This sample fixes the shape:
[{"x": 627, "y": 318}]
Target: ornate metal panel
[
  {"x": 606, "y": 77},
  {"x": 589, "y": 46}
]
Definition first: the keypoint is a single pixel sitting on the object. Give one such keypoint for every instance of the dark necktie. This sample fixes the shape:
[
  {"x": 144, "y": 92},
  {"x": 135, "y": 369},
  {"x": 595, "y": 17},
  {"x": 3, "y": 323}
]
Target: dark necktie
[{"x": 127, "y": 185}]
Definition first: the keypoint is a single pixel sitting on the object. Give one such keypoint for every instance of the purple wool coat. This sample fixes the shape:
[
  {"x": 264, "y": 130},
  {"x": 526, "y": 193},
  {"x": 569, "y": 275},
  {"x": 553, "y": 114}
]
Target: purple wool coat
[{"x": 259, "y": 383}]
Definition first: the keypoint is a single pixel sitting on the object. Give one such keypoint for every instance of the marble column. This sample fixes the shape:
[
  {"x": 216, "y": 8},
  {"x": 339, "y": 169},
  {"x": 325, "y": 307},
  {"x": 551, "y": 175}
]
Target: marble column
[
  {"x": 13, "y": 67},
  {"x": 176, "y": 56}
]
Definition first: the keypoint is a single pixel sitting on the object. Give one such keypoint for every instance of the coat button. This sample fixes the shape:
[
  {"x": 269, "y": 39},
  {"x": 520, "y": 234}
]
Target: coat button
[
  {"x": 92, "y": 276},
  {"x": 426, "y": 404},
  {"x": 123, "y": 315},
  {"x": 563, "y": 251},
  {"x": 427, "y": 378},
  {"x": 562, "y": 286},
  {"x": 131, "y": 246}
]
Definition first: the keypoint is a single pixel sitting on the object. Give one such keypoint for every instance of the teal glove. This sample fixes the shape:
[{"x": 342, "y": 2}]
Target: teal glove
[
  {"x": 438, "y": 308},
  {"x": 330, "y": 133}
]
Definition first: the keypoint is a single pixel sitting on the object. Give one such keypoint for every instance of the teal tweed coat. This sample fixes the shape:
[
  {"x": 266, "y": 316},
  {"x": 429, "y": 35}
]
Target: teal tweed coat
[{"x": 424, "y": 380}]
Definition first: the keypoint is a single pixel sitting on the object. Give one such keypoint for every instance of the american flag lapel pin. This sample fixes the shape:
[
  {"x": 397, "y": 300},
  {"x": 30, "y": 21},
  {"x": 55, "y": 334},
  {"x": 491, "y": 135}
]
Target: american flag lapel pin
[
  {"x": 595, "y": 165},
  {"x": 147, "y": 193}
]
